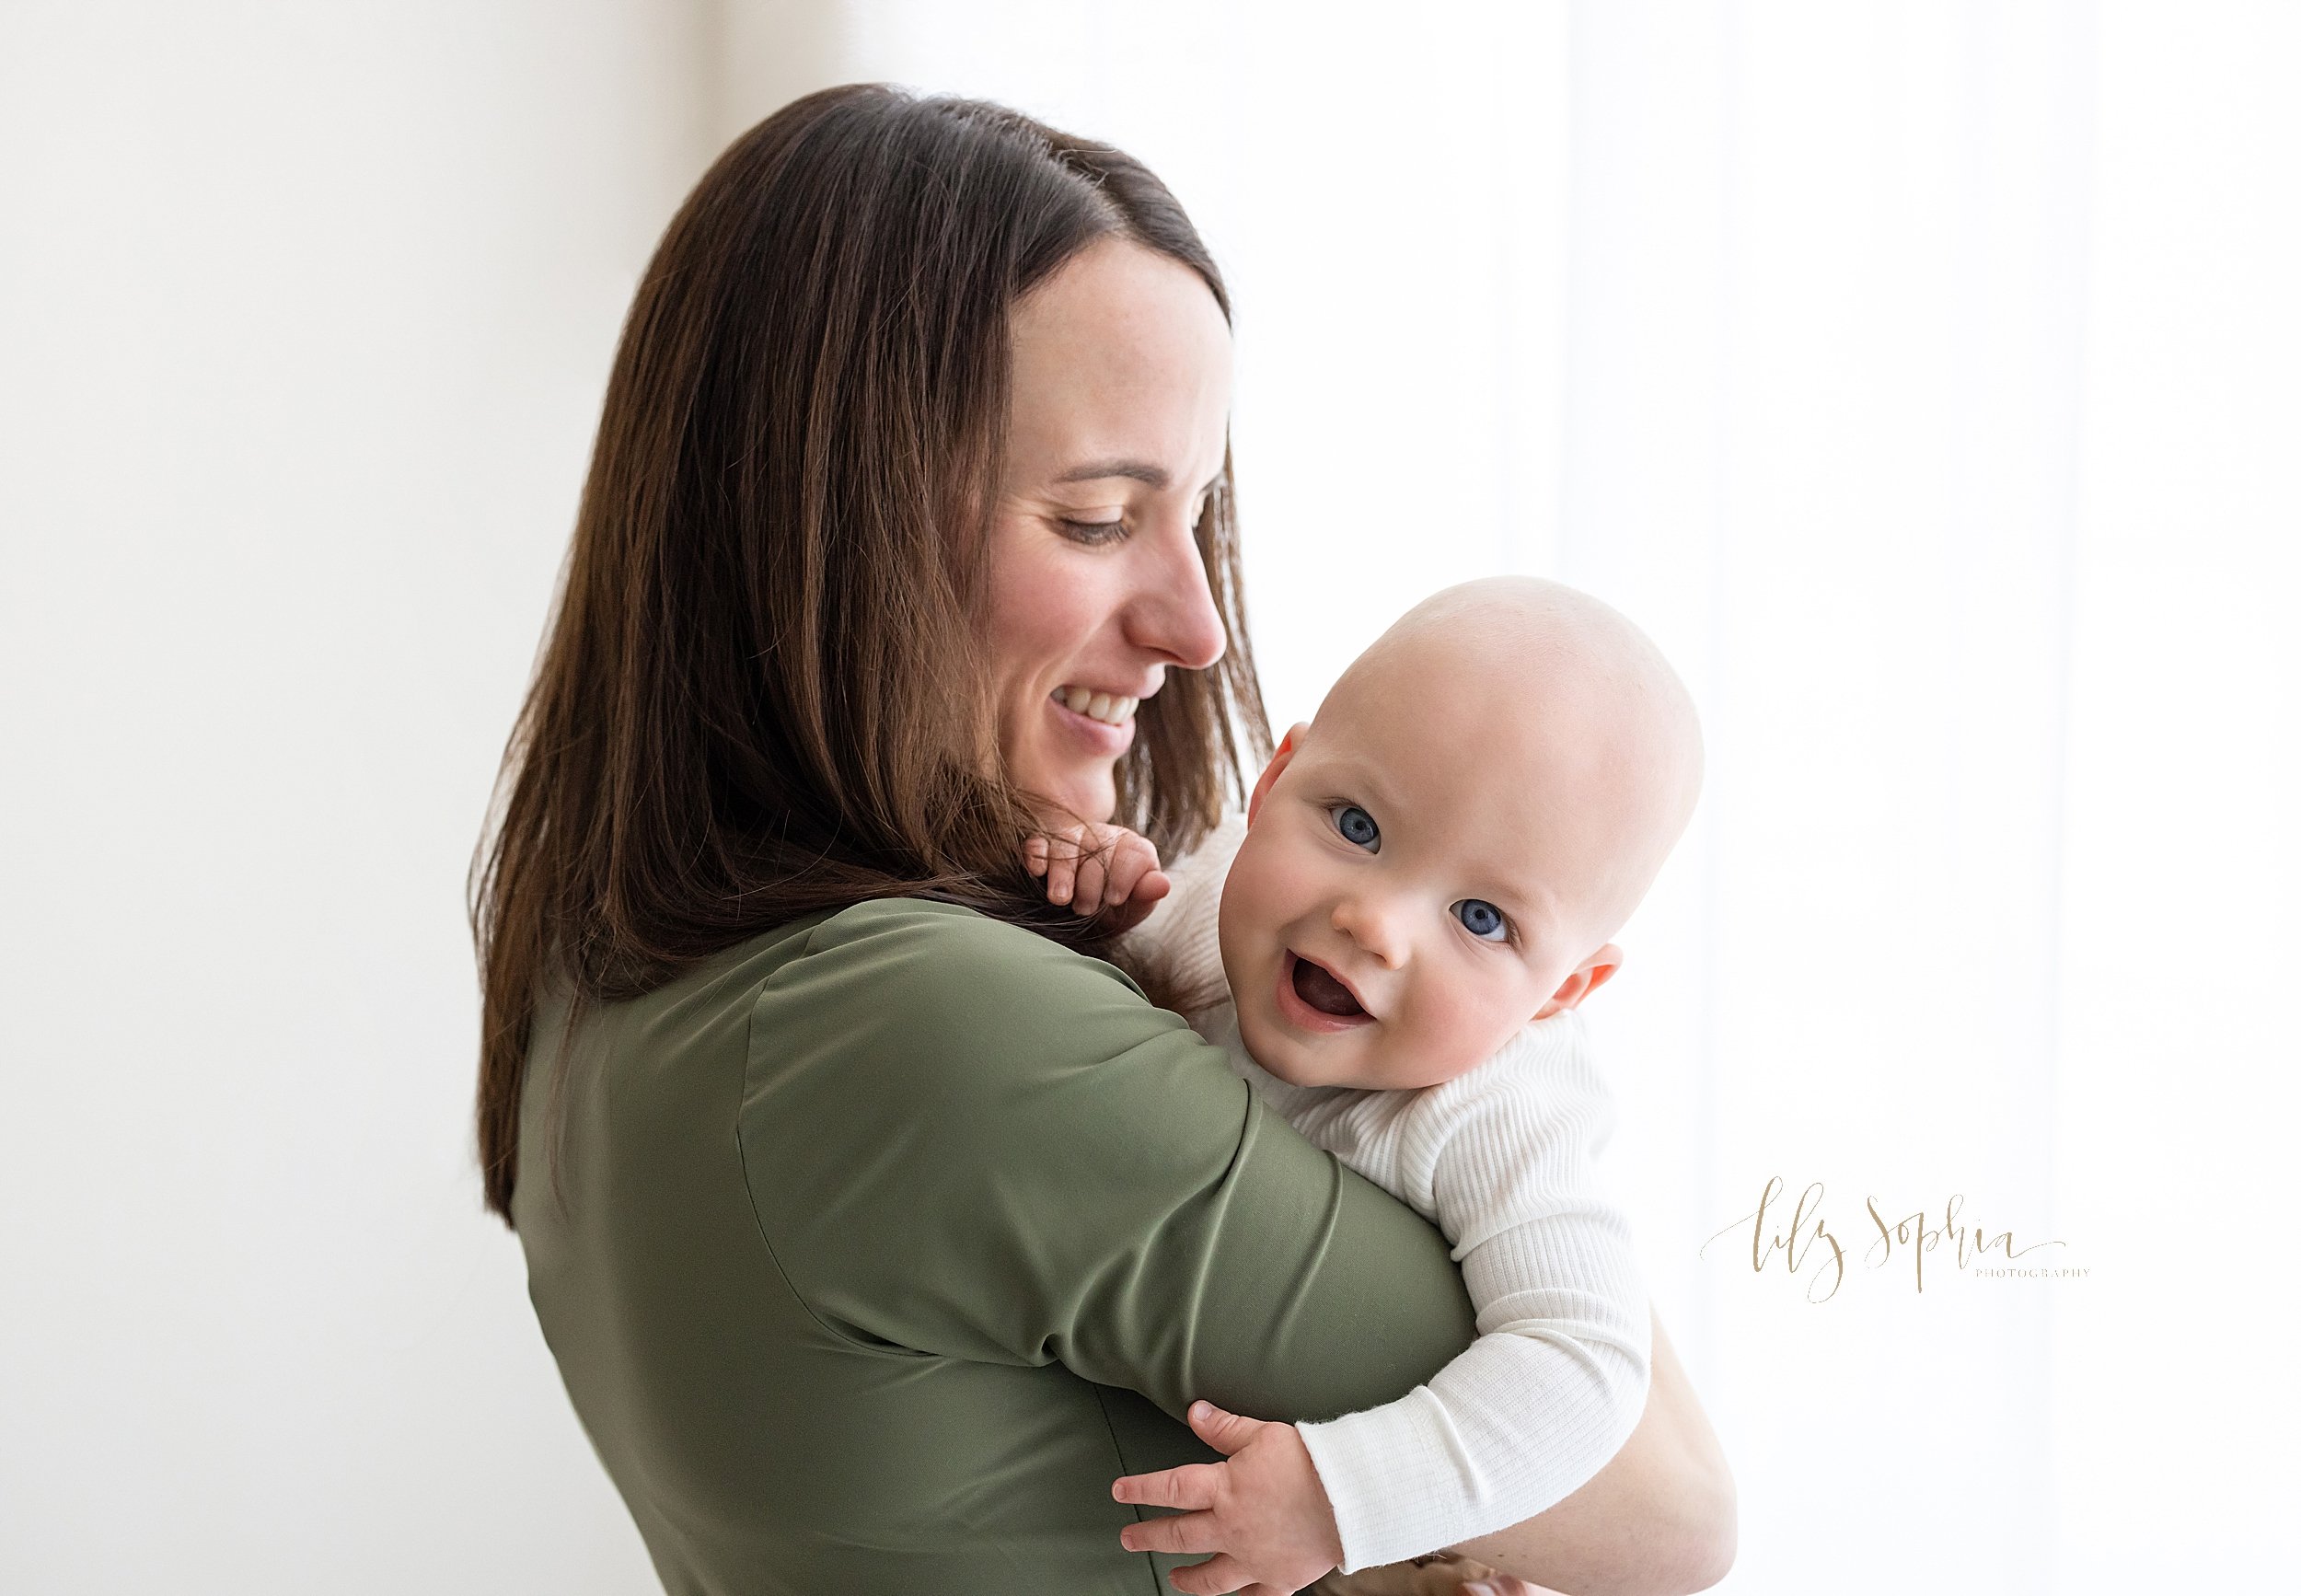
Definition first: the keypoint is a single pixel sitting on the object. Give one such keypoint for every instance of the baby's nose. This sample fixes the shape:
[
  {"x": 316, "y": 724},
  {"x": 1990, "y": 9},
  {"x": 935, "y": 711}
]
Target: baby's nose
[{"x": 1375, "y": 925}]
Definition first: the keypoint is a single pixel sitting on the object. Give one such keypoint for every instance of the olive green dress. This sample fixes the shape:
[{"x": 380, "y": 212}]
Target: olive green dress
[{"x": 874, "y": 1251}]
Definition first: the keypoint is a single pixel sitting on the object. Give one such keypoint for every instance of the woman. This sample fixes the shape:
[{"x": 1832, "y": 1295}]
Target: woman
[{"x": 876, "y": 1223}]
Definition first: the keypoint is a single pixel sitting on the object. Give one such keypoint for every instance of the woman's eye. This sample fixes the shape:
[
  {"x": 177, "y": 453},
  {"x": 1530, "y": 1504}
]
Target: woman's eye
[
  {"x": 1482, "y": 919},
  {"x": 1356, "y": 825},
  {"x": 1094, "y": 531}
]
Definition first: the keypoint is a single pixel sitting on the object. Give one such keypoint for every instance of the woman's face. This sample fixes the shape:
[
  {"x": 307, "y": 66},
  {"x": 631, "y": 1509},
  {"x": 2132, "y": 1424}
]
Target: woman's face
[{"x": 1121, "y": 413}]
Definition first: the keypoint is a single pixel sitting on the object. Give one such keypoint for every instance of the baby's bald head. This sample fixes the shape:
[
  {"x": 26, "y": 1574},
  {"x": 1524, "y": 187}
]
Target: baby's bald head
[
  {"x": 1539, "y": 688},
  {"x": 1445, "y": 853}
]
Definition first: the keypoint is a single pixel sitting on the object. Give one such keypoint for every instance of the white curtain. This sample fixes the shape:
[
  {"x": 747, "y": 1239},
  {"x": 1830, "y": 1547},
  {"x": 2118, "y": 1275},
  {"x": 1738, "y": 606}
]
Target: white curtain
[{"x": 1922, "y": 377}]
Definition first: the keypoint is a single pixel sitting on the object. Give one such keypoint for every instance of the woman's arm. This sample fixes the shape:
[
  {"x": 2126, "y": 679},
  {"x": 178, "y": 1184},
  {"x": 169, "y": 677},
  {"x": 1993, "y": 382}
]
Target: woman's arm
[
  {"x": 1657, "y": 1521},
  {"x": 1010, "y": 1158}
]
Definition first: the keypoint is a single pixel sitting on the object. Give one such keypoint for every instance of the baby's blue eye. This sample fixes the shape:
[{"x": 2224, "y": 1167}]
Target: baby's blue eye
[
  {"x": 1356, "y": 825},
  {"x": 1482, "y": 919}
]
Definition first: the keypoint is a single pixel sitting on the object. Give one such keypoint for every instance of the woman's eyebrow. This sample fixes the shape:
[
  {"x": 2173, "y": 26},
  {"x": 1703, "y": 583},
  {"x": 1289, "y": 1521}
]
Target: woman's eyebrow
[
  {"x": 1102, "y": 470},
  {"x": 1134, "y": 470}
]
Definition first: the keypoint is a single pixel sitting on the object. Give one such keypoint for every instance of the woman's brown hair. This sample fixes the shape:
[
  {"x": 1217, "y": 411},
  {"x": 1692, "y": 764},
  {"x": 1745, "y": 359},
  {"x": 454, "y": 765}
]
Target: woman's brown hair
[{"x": 757, "y": 698}]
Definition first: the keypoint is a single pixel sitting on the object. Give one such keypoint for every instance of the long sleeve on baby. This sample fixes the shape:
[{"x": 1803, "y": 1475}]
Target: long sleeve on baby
[{"x": 1503, "y": 1159}]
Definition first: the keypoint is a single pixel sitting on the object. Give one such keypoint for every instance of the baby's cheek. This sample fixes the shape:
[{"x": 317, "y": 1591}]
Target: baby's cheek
[
  {"x": 1247, "y": 918},
  {"x": 1426, "y": 1047},
  {"x": 1465, "y": 1027}
]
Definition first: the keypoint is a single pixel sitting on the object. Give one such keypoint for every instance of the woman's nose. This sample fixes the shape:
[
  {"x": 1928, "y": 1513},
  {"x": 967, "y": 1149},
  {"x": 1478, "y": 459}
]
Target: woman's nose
[{"x": 1174, "y": 612}]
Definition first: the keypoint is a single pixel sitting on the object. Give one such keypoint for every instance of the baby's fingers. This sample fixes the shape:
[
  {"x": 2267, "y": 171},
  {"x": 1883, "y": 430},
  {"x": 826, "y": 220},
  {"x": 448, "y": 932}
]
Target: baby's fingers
[
  {"x": 1062, "y": 868},
  {"x": 1133, "y": 911},
  {"x": 1186, "y": 1486},
  {"x": 1131, "y": 860},
  {"x": 1182, "y": 1533},
  {"x": 1093, "y": 871},
  {"x": 1215, "y": 1576},
  {"x": 1035, "y": 855},
  {"x": 1149, "y": 887}
]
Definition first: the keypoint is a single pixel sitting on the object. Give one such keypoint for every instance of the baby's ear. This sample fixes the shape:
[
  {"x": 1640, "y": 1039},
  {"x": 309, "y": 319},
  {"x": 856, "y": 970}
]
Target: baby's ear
[
  {"x": 1278, "y": 761},
  {"x": 1589, "y": 975}
]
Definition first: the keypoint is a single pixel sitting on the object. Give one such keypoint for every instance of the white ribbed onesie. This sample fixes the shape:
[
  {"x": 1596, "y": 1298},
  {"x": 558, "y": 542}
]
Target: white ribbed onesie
[{"x": 1502, "y": 1160}]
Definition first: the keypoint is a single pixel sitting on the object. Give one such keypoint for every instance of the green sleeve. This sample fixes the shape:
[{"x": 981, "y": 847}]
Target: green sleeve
[{"x": 964, "y": 1140}]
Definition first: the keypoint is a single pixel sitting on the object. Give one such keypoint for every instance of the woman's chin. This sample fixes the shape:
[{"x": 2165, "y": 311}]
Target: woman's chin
[
  {"x": 1084, "y": 794},
  {"x": 1092, "y": 799},
  {"x": 1072, "y": 763}
]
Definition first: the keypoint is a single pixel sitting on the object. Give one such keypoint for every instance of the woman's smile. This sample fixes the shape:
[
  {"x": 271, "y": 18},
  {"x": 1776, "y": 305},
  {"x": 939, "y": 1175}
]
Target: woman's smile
[
  {"x": 1105, "y": 737},
  {"x": 1110, "y": 709}
]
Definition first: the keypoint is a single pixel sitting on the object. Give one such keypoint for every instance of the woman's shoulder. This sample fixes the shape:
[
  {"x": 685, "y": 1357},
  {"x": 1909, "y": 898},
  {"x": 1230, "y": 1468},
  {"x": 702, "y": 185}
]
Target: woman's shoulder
[
  {"x": 918, "y": 1055},
  {"x": 950, "y": 929},
  {"x": 908, "y": 991},
  {"x": 907, "y": 948}
]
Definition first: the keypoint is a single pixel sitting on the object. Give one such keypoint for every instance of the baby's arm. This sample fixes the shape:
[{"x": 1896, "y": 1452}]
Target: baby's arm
[
  {"x": 1503, "y": 1159},
  {"x": 1557, "y": 1378}
]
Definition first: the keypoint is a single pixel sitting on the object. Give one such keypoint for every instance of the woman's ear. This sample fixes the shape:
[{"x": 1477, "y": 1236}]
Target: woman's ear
[
  {"x": 1278, "y": 761},
  {"x": 1589, "y": 975}
]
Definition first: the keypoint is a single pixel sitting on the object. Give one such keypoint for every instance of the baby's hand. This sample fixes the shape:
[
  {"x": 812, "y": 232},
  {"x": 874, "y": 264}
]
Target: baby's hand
[
  {"x": 1263, "y": 1513},
  {"x": 1099, "y": 870}
]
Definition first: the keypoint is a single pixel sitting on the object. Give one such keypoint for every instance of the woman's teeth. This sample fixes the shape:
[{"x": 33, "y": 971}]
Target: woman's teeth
[{"x": 1102, "y": 707}]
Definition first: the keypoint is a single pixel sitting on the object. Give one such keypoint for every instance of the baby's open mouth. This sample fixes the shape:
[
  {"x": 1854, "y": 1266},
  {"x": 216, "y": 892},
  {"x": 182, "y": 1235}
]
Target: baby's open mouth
[{"x": 1321, "y": 991}]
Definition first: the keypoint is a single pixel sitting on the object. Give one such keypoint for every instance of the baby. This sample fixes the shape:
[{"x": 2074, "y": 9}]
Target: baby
[{"x": 1421, "y": 892}]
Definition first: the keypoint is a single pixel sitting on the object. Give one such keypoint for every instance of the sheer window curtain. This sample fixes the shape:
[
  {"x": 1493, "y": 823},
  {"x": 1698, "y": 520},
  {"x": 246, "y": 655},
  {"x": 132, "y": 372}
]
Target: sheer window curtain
[{"x": 1921, "y": 377}]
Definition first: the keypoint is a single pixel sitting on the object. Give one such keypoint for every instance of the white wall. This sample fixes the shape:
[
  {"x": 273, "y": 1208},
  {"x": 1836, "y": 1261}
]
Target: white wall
[{"x": 304, "y": 313}]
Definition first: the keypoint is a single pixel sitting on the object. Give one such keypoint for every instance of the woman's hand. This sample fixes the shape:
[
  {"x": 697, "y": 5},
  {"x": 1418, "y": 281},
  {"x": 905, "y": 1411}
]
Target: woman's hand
[
  {"x": 1657, "y": 1521},
  {"x": 1263, "y": 1513},
  {"x": 1096, "y": 869}
]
